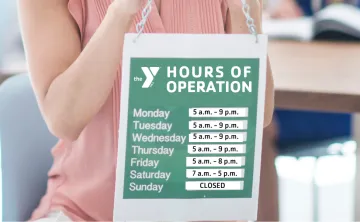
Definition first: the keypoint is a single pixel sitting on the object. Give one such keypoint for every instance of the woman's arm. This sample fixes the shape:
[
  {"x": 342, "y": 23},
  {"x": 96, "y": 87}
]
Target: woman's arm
[
  {"x": 236, "y": 24},
  {"x": 71, "y": 85}
]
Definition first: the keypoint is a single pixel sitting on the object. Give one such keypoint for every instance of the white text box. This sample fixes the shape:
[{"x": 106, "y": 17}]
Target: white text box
[
  {"x": 218, "y": 125},
  {"x": 217, "y": 137},
  {"x": 214, "y": 185},
  {"x": 215, "y": 173},
  {"x": 220, "y": 161},
  {"x": 216, "y": 148},
  {"x": 219, "y": 112}
]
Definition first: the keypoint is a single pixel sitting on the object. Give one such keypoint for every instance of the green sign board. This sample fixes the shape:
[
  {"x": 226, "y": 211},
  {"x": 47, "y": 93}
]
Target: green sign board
[{"x": 190, "y": 128}]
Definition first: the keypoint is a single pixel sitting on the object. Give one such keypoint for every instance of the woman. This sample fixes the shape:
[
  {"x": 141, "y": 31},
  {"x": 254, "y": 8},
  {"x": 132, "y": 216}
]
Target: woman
[{"x": 74, "y": 50}]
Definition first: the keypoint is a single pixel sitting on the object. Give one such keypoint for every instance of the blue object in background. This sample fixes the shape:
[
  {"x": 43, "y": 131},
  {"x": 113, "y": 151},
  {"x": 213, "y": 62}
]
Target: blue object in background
[
  {"x": 306, "y": 6},
  {"x": 305, "y": 126}
]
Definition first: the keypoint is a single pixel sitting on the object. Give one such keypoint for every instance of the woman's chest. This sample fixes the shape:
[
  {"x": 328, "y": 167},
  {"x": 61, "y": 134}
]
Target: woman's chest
[
  {"x": 192, "y": 16},
  {"x": 167, "y": 16}
]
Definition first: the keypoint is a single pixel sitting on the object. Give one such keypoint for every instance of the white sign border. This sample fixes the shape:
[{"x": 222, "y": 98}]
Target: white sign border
[{"x": 159, "y": 46}]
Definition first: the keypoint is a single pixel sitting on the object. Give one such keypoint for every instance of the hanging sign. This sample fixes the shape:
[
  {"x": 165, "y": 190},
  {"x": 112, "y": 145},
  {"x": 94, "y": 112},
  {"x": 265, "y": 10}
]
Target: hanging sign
[{"x": 191, "y": 123}]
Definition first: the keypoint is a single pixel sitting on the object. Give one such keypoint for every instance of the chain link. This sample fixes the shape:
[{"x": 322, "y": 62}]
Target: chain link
[
  {"x": 245, "y": 8},
  {"x": 144, "y": 16},
  {"x": 249, "y": 20}
]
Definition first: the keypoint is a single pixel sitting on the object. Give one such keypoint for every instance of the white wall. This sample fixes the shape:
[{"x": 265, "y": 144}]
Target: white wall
[{"x": 9, "y": 31}]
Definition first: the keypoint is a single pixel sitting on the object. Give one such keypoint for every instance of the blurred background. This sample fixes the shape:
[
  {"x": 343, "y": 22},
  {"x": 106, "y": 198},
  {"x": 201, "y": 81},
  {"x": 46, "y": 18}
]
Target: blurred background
[{"x": 315, "y": 51}]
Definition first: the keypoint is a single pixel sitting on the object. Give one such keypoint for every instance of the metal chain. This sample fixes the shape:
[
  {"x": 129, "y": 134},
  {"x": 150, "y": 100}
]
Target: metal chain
[
  {"x": 246, "y": 10},
  {"x": 249, "y": 20},
  {"x": 144, "y": 16}
]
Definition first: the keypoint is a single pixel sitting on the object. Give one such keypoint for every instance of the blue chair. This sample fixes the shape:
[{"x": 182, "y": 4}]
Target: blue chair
[{"x": 25, "y": 144}]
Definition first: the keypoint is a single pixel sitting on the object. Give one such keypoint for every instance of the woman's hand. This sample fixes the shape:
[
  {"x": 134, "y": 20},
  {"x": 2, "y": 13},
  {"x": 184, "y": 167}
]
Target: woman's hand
[{"x": 130, "y": 7}]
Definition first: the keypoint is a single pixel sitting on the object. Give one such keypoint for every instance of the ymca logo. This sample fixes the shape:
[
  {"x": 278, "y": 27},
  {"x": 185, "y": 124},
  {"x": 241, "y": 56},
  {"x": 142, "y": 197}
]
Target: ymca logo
[{"x": 150, "y": 73}]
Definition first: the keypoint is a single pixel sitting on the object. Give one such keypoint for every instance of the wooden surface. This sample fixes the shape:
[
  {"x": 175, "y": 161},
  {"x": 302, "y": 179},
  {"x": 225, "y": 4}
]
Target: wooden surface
[{"x": 317, "y": 75}]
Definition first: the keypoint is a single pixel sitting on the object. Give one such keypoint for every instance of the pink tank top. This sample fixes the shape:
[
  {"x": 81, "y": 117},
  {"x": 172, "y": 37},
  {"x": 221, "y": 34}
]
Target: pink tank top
[{"x": 82, "y": 179}]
